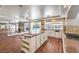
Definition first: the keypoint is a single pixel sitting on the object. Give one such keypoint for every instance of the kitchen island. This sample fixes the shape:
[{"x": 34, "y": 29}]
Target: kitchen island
[{"x": 31, "y": 42}]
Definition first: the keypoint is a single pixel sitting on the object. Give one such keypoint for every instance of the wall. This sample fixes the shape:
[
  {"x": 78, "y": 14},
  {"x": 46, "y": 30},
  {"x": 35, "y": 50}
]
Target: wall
[
  {"x": 73, "y": 16},
  {"x": 73, "y": 21},
  {"x": 64, "y": 10}
]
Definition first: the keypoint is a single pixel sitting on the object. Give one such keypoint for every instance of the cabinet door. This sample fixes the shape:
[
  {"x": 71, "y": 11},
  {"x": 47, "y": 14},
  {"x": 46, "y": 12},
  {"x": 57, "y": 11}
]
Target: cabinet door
[
  {"x": 58, "y": 34},
  {"x": 42, "y": 39},
  {"x": 38, "y": 41},
  {"x": 46, "y": 37},
  {"x": 33, "y": 44},
  {"x": 47, "y": 32},
  {"x": 52, "y": 33}
]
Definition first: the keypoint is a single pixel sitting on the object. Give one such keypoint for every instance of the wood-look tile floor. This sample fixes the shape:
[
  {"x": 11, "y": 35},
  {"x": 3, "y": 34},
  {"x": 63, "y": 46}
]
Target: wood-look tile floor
[
  {"x": 72, "y": 45},
  {"x": 53, "y": 45},
  {"x": 9, "y": 44}
]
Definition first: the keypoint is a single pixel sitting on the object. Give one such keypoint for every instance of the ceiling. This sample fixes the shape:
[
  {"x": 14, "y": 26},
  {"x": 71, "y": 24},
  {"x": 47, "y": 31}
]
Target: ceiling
[
  {"x": 73, "y": 12},
  {"x": 12, "y": 12}
]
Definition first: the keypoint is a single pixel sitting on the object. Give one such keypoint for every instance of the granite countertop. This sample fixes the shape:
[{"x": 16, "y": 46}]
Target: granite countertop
[{"x": 31, "y": 35}]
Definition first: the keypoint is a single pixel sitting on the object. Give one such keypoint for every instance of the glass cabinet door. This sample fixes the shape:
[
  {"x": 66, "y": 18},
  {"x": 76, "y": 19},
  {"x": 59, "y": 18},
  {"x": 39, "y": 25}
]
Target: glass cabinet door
[
  {"x": 12, "y": 28},
  {"x": 35, "y": 27},
  {"x": 49, "y": 25}
]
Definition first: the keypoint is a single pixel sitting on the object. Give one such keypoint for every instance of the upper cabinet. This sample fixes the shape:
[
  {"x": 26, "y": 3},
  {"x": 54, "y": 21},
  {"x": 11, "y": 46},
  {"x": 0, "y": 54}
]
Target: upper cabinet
[
  {"x": 54, "y": 25},
  {"x": 35, "y": 27},
  {"x": 3, "y": 28},
  {"x": 49, "y": 25}
]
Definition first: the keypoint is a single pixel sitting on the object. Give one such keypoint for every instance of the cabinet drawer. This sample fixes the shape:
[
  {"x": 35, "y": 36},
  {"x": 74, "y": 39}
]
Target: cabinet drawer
[{"x": 25, "y": 41}]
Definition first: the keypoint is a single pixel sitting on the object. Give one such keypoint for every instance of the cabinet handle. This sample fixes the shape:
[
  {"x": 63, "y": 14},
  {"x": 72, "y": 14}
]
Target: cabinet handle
[
  {"x": 25, "y": 46},
  {"x": 25, "y": 42}
]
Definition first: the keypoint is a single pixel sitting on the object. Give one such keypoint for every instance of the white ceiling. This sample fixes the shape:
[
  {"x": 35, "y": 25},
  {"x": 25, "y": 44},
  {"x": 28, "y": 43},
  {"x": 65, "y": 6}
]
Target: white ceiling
[
  {"x": 73, "y": 12},
  {"x": 11, "y": 12}
]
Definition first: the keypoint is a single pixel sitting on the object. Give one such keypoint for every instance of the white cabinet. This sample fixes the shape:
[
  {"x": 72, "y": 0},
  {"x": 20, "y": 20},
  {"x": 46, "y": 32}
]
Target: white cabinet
[
  {"x": 25, "y": 44},
  {"x": 58, "y": 34},
  {"x": 41, "y": 39},
  {"x": 52, "y": 33},
  {"x": 38, "y": 41},
  {"x": 33, "y": 44},
  {"x": 29, "y": 44},
  {"x": 48, "y": 33},
  {"x": 44, "y": 37}
]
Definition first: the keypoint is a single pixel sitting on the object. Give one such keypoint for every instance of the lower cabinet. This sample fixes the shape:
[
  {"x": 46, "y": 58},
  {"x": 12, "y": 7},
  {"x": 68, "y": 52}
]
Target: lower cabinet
[
  {"x": 38, "y": 41},
  {"x": 33, "y": 44},
  {"x": 42, "y": 39},
  {"x": 25, "y": 44},
  {"x": 52, "y": 33},
  {"x": 45, "y": 37},
  {"x": 58, "y": 34},
  {"x": 30, "y": 45}
]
